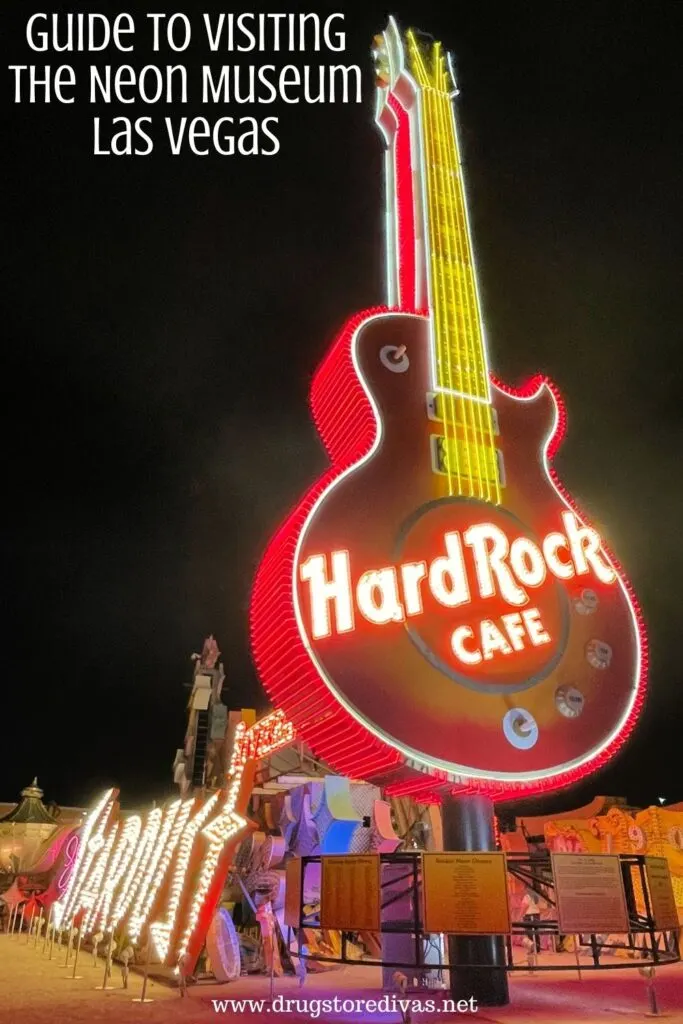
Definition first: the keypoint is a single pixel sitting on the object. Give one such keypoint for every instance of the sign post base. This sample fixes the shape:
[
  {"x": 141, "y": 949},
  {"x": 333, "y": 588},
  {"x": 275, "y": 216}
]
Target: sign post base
[{"x": 479, "y": 970}]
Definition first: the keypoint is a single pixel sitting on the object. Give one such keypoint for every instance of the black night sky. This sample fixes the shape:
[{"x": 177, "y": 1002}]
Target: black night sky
[{"x": 163, "y": 316}]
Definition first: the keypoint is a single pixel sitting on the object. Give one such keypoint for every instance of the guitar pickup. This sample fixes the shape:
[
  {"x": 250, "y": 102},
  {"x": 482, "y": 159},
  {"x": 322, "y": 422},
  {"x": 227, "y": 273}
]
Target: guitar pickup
[
  {"x": 435, "y": 401},
  {"x": 453, "y": 456}
]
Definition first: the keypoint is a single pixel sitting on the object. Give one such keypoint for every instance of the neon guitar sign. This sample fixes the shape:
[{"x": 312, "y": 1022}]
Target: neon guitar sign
[{"x": 437, "y": 612}]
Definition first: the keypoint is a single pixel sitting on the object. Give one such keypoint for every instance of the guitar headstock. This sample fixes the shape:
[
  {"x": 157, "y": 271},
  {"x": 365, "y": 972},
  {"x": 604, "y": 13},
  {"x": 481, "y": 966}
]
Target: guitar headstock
[
  {"x": 389, "y": 55},
  {"x": 413, "y": 55},
  {"x": 380, "y": 56},
  {"x": 430, "y": 65}
]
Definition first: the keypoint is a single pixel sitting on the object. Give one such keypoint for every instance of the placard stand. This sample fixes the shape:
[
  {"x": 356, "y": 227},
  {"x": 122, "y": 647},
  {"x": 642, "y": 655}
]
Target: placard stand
[
  {"x": 142, "y": 997},
  {"x": 39, "y": 929},
  {"x": 649, "y": 974},
  {"x": 49, "y": 930},
  {"x": 107, "y": 968},
  {"x": 30, "y": 926},
  {"x": 479, "y": 969},
  {"x": 74, "y": 976}
]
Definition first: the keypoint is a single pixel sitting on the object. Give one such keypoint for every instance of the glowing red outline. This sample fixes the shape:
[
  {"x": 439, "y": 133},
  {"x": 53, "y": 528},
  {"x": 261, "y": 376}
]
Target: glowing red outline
[
  {"x": 529, "y": 387},
  {"x": 347, "y": 428},
  {"x": 346, "y": 423},
  {"x": 405, "y": 204}
]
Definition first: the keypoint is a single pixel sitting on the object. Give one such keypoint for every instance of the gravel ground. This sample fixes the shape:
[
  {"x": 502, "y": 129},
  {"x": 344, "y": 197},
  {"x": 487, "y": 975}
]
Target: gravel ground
[{"x": 34, "y": 990}]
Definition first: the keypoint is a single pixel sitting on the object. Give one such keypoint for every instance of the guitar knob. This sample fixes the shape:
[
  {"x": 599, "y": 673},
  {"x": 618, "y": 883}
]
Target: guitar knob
[
  {"x": 598, "y": 654},
  {"x": 586, "y": 602},
  {"x": 569, "y": 701},
  {"x": 394, "y": 358}
]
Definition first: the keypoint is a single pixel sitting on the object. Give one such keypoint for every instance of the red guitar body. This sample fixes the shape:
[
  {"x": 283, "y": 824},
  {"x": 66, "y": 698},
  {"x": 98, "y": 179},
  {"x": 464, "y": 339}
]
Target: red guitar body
[{"x": 389, "y": 702}]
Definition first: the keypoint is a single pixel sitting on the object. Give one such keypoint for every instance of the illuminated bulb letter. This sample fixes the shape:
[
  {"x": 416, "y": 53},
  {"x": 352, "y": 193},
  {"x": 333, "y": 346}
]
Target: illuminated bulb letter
[
  {"x": 488, "y": 561},
  {"x": 377, "y": 597},
  {"x": 92, "y": 885},
  {"x": 162, "y": 931},
  {"x": 118, "y": 865},
  {"x": 534, "y": 627},
  {"x": 584, "y": 544},
  {"x": 551, "y": 545},
  {"x": 157, "y": 865},
  {"x": 91, "y": 842},
  {"x": 412, "y": 574},
  {"x": 527, "y": 562},
  {"x": 322, "y": 591},
  {"x": 515, "y": 629},
  {"x": 217, "y": 833},
  {"x": 133, "y": 878},
  {"x": 452, "y": 566},
  {"x": 492, "y": 640},
  {"x": 461, "y": 634}
]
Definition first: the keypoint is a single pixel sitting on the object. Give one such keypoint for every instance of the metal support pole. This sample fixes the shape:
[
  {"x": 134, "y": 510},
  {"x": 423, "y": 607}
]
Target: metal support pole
[
  {"x": 39, "y": 928},
  {"x": 146, "y": 975},
  {"x": 576, "y": 955},
  {"x": 48, "y": 925},
  {"x": 649, "y": 974},
  {"x": 182, "y": 981},
  {"x": 30, "y": 925},
  {"x": 107, "y": 962},
  {"x": 301, "y": 963},
  {"x": 107, "y": 967},
  {"x": 477, "y": 966},
  {"x": 402, "y": 984},
  {"x": 21, "y": 923},
  {"x": 69, "y": 940},
  {"x": 74, "y": 976}
]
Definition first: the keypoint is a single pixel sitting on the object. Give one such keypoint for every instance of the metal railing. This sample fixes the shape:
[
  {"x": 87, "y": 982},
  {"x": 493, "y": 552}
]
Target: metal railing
[{"x": 643, "y": 945}]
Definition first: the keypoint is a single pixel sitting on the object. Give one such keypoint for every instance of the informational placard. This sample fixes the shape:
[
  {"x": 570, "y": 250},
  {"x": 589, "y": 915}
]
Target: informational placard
[
  {"x": 662, "y": 899},
  {"x": 465, "y": 893},
  {"x": 293, "y": 892},
  {"x": 350, "y": 893},
  {"x": 589, "y": 889}
]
